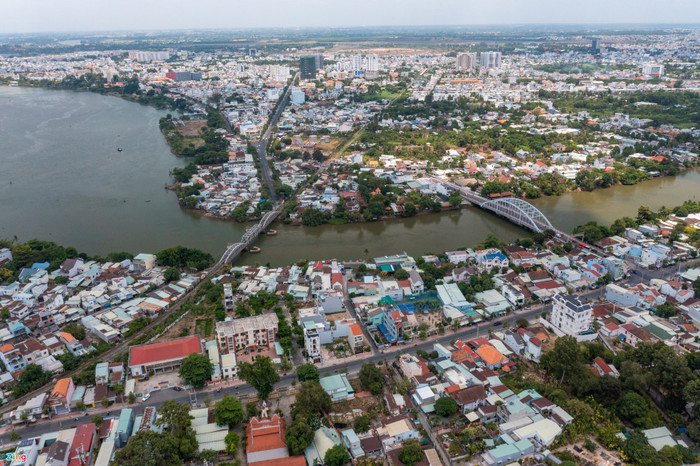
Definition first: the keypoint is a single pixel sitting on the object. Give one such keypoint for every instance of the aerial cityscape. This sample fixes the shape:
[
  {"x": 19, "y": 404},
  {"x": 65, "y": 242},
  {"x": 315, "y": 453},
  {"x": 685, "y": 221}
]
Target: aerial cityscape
[{"x": 387, "y": 236}]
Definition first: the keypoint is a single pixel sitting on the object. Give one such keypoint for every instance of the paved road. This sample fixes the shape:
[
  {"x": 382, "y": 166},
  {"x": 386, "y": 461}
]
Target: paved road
[{"x": 261, "y": 146}]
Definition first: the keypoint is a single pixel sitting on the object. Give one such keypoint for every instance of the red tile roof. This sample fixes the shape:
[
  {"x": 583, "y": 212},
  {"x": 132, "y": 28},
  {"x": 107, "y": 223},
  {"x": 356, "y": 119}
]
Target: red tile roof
[
  {"x": 164, "y": 351},
  {"x": 290, "y": 461},
  {"x": 265, "y": 434}
]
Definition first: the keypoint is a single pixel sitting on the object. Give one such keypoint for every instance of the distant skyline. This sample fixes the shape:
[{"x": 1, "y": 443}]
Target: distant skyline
[{"x": 43, "y": 16}]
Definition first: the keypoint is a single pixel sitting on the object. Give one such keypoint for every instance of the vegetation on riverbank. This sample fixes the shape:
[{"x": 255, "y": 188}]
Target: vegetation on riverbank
[
  {"x": 129, "y": 89},
  {"x": 593, "y": 232}
]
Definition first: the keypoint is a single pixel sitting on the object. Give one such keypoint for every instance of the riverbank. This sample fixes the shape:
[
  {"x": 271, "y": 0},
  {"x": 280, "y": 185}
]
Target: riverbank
[{"x": 159, "y": 101}]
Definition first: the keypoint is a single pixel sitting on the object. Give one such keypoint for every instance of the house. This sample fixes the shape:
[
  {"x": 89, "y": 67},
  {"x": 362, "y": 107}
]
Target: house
[
  {"x": 457, "y": 257},
  {"x": 417, "y": 285},
  {"x": 355, "y": 339},
  {"x": 71, "y": 267},
  {"x": 60, "y": 397},
  {"x": 489, "y": 259},
  {"x": 72, "y": 344},
  {"x": 397, "y": 430},
  {"x": 12, "y": 358},
  {"x": 604, "y": 368},
  {"x": 338, "y": 387},
  {"x": 470, "y": 398},
  {"x": 144, "y": 262},
  {"x": 83, "y": 441}
]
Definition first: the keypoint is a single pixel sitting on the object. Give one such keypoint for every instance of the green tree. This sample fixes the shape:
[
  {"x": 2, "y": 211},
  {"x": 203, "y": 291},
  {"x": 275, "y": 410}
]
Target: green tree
[
  {"x": 149, "y": 448},
  {"x": 401, "y": 274},
  {"x": 299, "y": 436},
  {"x": 104, "y": 401},
  {"x": 196, "y": 369},
  {"x": 311, "y": 399},
  {"x": 564, "y": 358},
  {"x": 14, "y": 436},
  {"x": 97, "y": 420},
  {"x": 261, "y": 375},
  {"x": 446, "y": 406},
  {"x": 171, "y": 275},
  {"x": 232, "y": 440},
  {"x": 228, "y": 411},
  {"x": 32, "y": 378},
  {"x": 371, "y": 374},
  {"x": 361, "y": 424},
  {"x": 307, "y": 372},
  {"x": 336, "y": 456},
  {"x": 132, "y": 398},
  {"x": 75, "y": 329},
  {"x": 411, "y": 453}
]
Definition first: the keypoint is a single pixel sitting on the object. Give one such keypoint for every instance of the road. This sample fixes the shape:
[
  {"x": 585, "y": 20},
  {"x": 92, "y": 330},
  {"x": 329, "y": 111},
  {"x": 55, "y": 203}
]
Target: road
[{"x": 261, "y": 146}]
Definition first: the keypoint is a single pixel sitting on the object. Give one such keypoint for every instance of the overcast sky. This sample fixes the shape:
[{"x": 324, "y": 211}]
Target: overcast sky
[{"x": 91, "y": 15}]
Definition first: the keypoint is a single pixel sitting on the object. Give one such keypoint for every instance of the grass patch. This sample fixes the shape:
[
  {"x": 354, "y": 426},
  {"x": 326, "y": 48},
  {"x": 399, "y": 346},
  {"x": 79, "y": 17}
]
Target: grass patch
[{"x": 204, "y": 327}]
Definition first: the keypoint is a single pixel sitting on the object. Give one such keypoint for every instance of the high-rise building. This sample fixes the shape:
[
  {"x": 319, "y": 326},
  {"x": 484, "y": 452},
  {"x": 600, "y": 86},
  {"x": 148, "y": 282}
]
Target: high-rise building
[
  {"x": 466, "y": 61},
  {"x": 319, "y": 61},
  {"x": 653, "y": 69},
  {"x": 140, "y": 55},
  {"x": 357, "y": 62},
  {"x": 372, "y": 63},
  {"x": 298, "y": 96},
  {"x": 183, "y": 75},
  {"x": 595, "y": 45},
  {"x": 307, "y": 66},
  {"x": 490, "y": 60}
]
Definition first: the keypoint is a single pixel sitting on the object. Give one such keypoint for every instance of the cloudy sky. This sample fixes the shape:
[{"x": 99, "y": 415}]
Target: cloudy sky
[{"x": 92, "y": 15}]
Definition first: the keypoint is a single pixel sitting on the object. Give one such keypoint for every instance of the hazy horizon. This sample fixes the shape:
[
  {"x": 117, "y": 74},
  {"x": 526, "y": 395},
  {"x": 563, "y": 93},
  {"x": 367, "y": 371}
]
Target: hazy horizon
[{"x": 75, "y": 16}]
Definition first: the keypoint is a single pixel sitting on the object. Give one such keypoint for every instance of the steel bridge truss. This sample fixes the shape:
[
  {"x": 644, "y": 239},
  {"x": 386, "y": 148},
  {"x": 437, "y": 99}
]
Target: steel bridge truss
[{"x": 520, "y": 212}]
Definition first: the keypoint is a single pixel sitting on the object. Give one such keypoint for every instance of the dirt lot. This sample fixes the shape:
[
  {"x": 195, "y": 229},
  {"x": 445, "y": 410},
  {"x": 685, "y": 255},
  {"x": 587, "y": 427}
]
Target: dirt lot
[{"x": 192, "y": 127}]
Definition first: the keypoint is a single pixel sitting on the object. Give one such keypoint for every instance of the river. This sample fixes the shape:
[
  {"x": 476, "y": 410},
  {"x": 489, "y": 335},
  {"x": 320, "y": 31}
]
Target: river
[{"x": 62, "y": 179}]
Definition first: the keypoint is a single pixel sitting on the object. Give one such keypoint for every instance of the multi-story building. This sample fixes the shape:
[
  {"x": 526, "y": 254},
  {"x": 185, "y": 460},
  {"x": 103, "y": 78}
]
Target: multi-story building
[
  {"x": 12, "y": 358},
  {"x": 466, "y": 61},
  {"x": 570, "y": 315},
  {"x": 183, "y": 75},
  {"x": 140, "y": 55},
  {"x": 653, "y": 69},
  {"x": 298, "y": 96},
  {"x": 307, "y": 67},
  {"x": 372, "y": 63},
  {"x": 247, "y": 332},
  {"x": 355, "y": 339},
  {"x": 312, "y": 341},
  {"x": 229, "y": 298},
  {"x": 490, "y": 60}
]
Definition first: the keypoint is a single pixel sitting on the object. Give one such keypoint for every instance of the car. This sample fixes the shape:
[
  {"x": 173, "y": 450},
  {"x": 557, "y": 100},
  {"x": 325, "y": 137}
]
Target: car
[
  {"x": 146, "y": 378},
  {"x": 177, "y": 388},
  {"x": 146, "y": 397},
  {"x": 496, "y": 324}
]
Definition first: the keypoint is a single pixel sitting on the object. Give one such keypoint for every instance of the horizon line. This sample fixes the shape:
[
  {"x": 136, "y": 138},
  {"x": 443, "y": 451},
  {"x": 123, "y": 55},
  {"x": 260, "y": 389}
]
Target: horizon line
[{"x": 408, "y": 26}]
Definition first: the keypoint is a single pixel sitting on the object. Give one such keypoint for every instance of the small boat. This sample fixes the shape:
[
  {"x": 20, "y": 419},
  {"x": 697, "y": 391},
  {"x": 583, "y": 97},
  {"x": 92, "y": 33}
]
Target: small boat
[{"x": 119, "y": 149}]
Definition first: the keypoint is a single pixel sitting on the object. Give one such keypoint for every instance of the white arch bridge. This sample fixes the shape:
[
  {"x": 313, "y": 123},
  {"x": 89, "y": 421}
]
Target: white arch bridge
[
  {"x": 516, "y": 210},
  {"x": 519, "y": 212}
]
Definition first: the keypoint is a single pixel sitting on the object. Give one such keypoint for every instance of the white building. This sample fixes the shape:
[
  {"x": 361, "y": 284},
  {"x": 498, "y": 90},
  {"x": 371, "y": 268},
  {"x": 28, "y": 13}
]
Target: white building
[
  {"x": 490, "y": 60},
  {"x": 570, "y": 315},
  {"x": 653, "y": 69}
]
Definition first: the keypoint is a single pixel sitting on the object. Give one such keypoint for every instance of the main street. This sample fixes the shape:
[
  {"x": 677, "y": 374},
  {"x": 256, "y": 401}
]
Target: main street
[{"x": 261, "y": 146}]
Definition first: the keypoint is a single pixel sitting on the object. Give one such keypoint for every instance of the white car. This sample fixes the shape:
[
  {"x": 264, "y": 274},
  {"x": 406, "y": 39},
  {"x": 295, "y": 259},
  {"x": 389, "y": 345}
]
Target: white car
[{"x": 146, "y": 396}]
